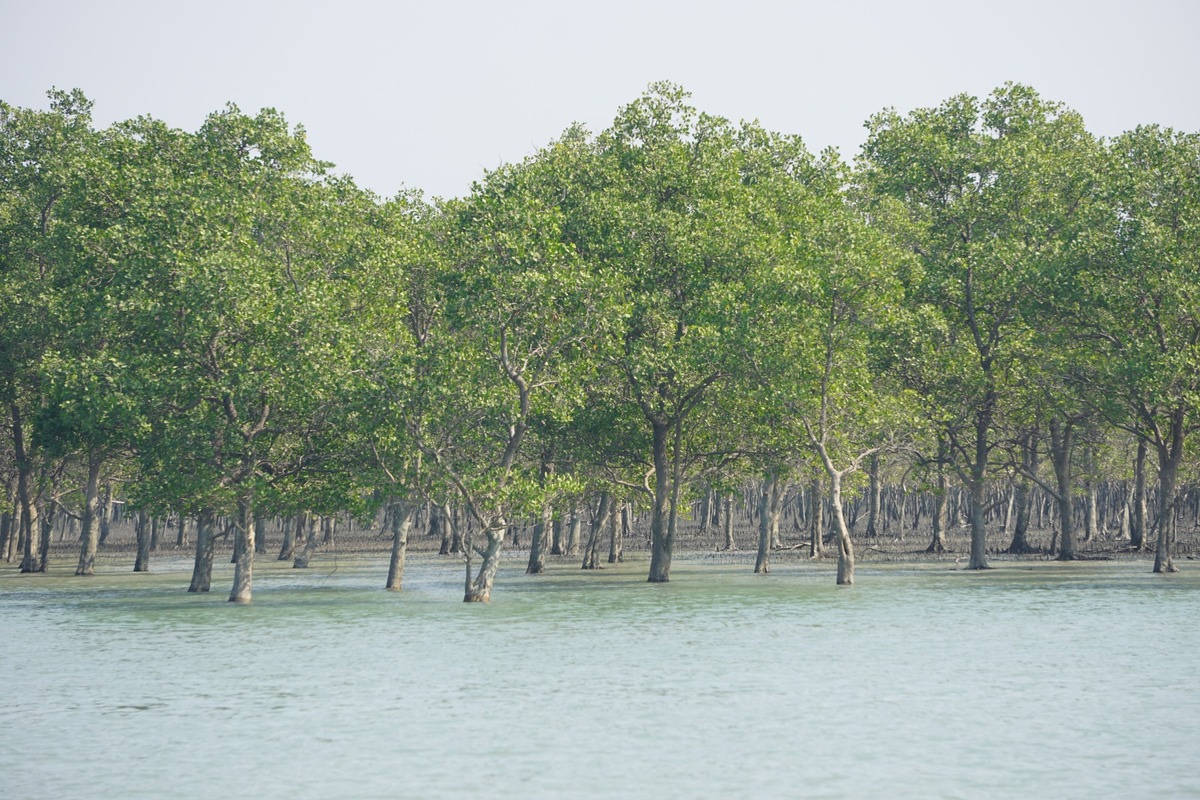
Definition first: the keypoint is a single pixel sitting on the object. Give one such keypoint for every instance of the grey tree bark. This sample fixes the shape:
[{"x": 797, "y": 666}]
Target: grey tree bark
[
  {"x": 27, "y": 526},
  {"x": 874, "y": 491},
  {"x": 402, "y": 514},
  {"x": 243, "y": 567},
  {"x": 142, "y": 529},
  {"x": 816, "y": 519},
  {"x": 293, "y": 527},
  {"x": 106, "y": 513},
  {"x": 91, "y": 517},
  {"x": 1023, "y": 498},
  {"x": 616, "y": 541},
  {"x": 770, "y": 497},
  {"x": 537, "y": 543},
  {"x": 1137, "y": 526},
  {"x": 1170, "y": 456},
  {"x": 202, "y": 566},
  {"x": 1061, "y": 443},
  {"x": 311, "y": 540},
  {"x": 727, "y": 523},
  {"x": 602, "y": 521}
]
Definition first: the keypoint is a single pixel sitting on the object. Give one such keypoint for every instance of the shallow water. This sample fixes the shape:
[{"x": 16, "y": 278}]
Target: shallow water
[{"x": 1031, "y": 680}]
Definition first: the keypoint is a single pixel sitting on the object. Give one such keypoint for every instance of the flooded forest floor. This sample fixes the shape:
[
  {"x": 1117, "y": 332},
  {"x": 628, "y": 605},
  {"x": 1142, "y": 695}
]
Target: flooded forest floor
[{"x": 349, "y": 539}]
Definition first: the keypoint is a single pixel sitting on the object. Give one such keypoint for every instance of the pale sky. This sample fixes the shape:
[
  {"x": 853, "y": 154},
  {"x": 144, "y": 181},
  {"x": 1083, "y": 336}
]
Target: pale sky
[{"x": 430, "y": 95}]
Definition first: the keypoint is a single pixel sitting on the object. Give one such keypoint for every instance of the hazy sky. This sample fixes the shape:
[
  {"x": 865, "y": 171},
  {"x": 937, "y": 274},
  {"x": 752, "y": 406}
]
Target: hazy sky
[{"x": 429, "y": 95}]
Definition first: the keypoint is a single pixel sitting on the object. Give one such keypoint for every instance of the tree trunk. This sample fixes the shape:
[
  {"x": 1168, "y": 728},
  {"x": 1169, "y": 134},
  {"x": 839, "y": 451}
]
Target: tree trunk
[
  {"x": 556, "y": 539},
  {"x": 537, "y": 543},
  {"x": 616, "y": 542},
  {"x": 142, "y": 528},
  {"x": 287, "y": 549},
  {"x": 1137, "y": 525},
  {"x": 1170, "y": 456},
  {"x": 573, "y": 526},
  {"x": 727, "y": 524},
  {"x": 978, "y": 558},
  {"x": 6, "y": 529},
  {"x": 27, "y": 511},
  {"x": 816, "y": 519},
  {"x": 202, "y": 566},
  {"x": 479, "y": 590},
  {"x": 260, "y": 535},
  {"x": 402, "y": 514},
  {"x": 1090, "y": 516},
  {"x": 763, "y": 563},
  {"x": 873, "y": 496},
  {"x": 1023, "y": 499},
  {"x": 243, "y": 568},
  {"x": 106, "y": 513},
  {"x": 602, "y": 521},
  {"x": 47, "y": 529},
  {"x": 660, "y": 539},
  {"x": 1060, "y": 454},
  {"x": 91, "y": 517},
  {"x": 845, "y": 570},
  {"x": 445, "y": 526},
  {"x": 310, "y": 542},
  {"x": 938, "y": 542}
]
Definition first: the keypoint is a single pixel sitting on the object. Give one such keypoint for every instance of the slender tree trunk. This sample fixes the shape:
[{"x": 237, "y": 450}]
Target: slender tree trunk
[
  {"x": 938, "y": 542},
  {"x": 978, "y": 525},
  {"x": 479, "y": 590},
  {"x": 27, "y": 509},
  {"x": 1137, "y": 527},
  {"x": 47, "y": 528},
  {"x": 287, "y": 549},
  {"x": 106, "y": 513},
  {"x": 142, "y": 529},
  {"x": 1023, "y": 499},
  {"x": 91, "y": 517},
  {"x": 243, "y": 568},
  {"x": 260, "y": 535},
  {"x": 1170, "y": 456},
  {"x": 402, "y": 514},
  {"x": 202, "y": 566},
  {"x": 727, "y": 524},
  {"x": 573, "y": 527},
  {"x": 602, "y": 522},
  {"x": 1060, "y": 454},
  {"x": 874, "y": 493},
  {"x": 1090, "y": 516},
  {"x": 556, "y": 538},
  {"x": 537, "y": 543},
  {"x": 816, "y": 519},
  {"x": 6, "y": 537},
  {"x": 155, "y": 526},
  {"x": 845, "y": 570},
  {"x": 446, "y": 527},
  {"x": 310, "y": 542},
  {"x": 660, "y": 541},
  {"x": 978, "y": 480},
  {"x": 763, "y": 563},
  {"x": 616, "y": 542}
]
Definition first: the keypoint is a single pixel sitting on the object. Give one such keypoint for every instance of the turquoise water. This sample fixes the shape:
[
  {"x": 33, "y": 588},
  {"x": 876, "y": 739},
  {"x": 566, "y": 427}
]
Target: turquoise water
[{"x": 1031, "y": 680}]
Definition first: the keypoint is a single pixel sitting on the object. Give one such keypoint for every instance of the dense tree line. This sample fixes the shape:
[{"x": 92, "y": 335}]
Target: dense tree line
[{"x": 212, "y": 324}]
